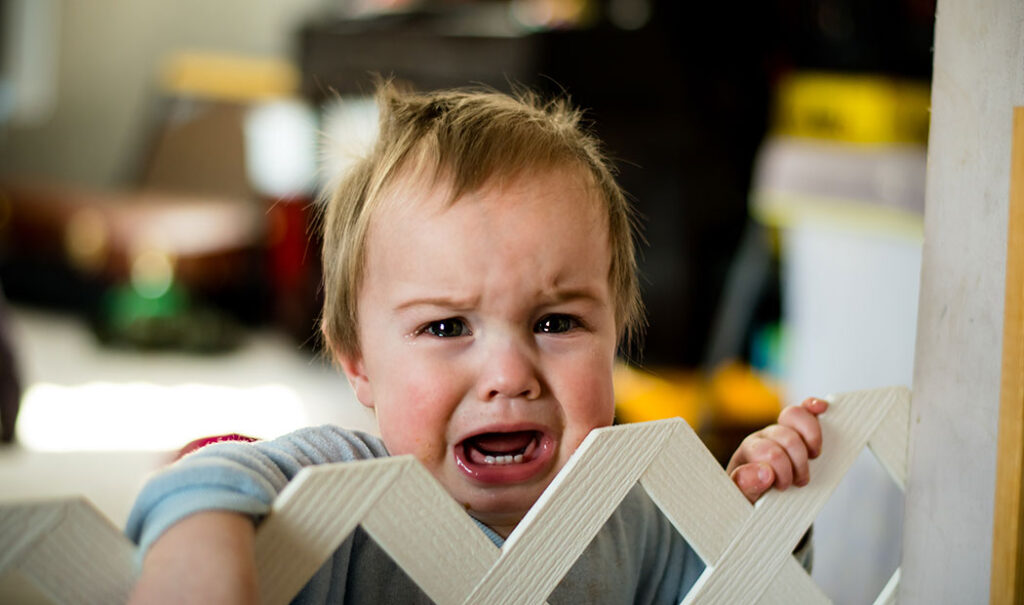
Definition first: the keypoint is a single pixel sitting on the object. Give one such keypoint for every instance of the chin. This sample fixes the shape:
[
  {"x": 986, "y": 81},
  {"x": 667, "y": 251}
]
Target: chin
[{"x": 503, "y": 507}]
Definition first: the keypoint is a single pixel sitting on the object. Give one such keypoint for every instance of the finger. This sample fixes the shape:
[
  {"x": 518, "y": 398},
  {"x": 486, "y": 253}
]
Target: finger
[
  {"x": 796, "y": 450},
  {"x": 739, "y": 457},
  {"x": 815, "y": 405},
  {"x": 805, "y": 423},
  {"x": 753, "y": 480},
  {"x": 768, "y": 451}
]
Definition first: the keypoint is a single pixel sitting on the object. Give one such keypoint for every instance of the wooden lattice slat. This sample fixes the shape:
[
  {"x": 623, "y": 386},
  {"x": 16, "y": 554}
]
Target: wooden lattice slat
[
  {"x": 64, "y": 551},
  {"x": 747, "y": 548}
]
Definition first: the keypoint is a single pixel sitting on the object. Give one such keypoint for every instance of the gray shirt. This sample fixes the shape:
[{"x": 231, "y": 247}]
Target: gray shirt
[{"x": 636, "y": 557}]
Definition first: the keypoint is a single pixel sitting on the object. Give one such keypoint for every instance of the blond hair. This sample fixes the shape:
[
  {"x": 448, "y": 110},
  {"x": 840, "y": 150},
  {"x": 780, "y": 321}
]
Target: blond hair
[{"x": 469, "y": 138}]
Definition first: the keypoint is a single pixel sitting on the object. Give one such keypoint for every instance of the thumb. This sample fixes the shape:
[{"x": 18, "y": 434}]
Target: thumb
[{"x": 753, "y": 479}]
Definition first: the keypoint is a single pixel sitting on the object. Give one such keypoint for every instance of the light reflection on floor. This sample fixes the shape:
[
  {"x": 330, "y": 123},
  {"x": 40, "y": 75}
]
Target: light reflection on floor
[
  {"x": 96, "y": 421},
  {"x": 138, "y": 416}
]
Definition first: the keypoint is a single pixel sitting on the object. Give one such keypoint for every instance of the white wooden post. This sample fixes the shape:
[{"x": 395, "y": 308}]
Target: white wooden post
[{"x": 977, "y": 80}]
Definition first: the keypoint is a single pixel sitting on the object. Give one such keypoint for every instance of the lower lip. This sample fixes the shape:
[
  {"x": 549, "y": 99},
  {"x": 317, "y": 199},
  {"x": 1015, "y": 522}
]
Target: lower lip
[{"x": 499, "y": 474}]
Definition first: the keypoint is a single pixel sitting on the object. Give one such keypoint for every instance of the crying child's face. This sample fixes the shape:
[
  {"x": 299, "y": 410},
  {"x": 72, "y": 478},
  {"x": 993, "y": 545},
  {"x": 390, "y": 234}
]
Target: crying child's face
[{"x": 487, "y": 334}]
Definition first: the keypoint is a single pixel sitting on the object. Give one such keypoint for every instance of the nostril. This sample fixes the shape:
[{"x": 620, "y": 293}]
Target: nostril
[{"x": 527, "y": 393}]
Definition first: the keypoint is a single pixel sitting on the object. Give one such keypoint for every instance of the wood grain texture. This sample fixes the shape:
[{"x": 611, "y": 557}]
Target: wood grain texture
[
  {"x": 1008, "y": 537},
  {"x": 948, "y": 522},
  {"x": 769, "y": 535},
  {"x": 890, "y": 441},
  {"x": 570, "y": 512},
  {"x": 434, "y": 540},
  {"x": 310, "y": 518},
  {"x": 67, "y": 550},
  {"x": 793, "y": 585},
  {"x": 72, "y": 555},
  {"x": 686, "y": 480}
]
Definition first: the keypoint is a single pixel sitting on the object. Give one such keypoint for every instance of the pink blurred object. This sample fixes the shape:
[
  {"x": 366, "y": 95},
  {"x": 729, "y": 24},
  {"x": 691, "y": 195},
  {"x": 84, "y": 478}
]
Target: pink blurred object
[{"x": 205, "y": 441}]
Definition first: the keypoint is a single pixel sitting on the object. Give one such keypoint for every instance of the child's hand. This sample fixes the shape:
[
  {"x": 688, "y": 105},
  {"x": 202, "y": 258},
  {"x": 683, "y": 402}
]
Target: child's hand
[{"x": 777, "y": 455}]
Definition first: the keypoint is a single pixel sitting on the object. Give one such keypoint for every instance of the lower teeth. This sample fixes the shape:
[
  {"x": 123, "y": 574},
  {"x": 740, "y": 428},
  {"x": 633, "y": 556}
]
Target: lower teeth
[{"x": 508, "y": 459}]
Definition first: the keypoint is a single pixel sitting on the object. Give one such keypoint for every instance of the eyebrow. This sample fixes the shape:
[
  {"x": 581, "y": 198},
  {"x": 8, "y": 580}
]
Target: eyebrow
[
  {"x": 557, "y": 296},
  {"x": 447, "y": 302},
  {"x": 570, "y": 294}
]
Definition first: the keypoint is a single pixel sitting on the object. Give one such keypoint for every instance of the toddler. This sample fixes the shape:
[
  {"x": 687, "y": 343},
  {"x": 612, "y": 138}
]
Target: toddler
[{"x": 478, "y": 276}]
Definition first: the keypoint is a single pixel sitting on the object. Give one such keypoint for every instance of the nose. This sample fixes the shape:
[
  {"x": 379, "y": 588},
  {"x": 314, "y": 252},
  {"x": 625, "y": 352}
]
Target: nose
[{"x": 510, "y": 372}]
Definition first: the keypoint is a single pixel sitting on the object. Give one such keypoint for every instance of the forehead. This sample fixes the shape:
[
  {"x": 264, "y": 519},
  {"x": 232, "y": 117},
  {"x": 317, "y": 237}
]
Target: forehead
[
  {"x": 551, "y": 223},
  {"x": 420, "y": 192}
]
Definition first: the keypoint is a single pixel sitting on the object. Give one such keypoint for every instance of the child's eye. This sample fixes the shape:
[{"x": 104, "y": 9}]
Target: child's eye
[
  {"x": 556, "y": 324},
  {"x": 447, "y": 328}
]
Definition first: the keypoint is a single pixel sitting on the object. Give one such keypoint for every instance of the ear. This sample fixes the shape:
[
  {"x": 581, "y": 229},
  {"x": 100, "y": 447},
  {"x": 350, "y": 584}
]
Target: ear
[{"x": 355, "y": 370}]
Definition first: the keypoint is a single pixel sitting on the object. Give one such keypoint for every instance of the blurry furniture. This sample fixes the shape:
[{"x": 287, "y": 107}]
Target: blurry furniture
[
  {"x": 215, "y": 230},
  {"x": 123, "y": 256}
]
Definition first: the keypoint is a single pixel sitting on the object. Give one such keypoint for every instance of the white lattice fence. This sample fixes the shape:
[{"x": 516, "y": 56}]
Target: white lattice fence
[{"x": 68, "y": 553}]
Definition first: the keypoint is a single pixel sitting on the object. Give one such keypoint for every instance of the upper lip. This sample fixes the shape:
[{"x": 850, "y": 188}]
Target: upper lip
[{"x": 506, "y": 428}]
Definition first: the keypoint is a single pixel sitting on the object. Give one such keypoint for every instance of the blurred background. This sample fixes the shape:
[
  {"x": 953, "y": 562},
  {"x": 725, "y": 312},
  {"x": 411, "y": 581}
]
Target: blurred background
[{"x": 160, "y": 162}]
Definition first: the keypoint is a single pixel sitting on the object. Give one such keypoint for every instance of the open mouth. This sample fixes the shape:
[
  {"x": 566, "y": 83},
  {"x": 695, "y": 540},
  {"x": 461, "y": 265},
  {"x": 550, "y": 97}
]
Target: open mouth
[
  {"x": 501, "y": 448},
  {"x": 504, "y": 457}
]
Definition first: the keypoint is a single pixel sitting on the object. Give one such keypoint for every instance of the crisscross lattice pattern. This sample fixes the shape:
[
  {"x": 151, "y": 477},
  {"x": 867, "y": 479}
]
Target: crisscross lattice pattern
[{"x": 70, "y": 554}]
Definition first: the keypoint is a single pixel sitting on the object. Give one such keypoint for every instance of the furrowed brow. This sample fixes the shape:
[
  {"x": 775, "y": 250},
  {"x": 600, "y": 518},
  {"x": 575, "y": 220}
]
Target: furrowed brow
[
  {"x": 572, "y": 294},
  {"x": 446, "y": 302}
]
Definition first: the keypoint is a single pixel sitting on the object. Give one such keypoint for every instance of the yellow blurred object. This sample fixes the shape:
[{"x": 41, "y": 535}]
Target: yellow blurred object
[
  {"x": 853, "y": 108},
  {"x": 741, "y": 396},
  {"x": 641, "y": 396},
  {"x": 228, "y": 77},
  {"x": 780, "y": 210},
  {"x": 554, "y": 14}
]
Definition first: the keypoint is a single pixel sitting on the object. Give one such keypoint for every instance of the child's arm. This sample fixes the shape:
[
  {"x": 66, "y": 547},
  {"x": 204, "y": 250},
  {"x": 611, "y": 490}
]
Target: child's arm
[
  {"x": 181, "y": 519},
  {"x": 778, "y": 455},
  {"x": 205, "y": 558}
]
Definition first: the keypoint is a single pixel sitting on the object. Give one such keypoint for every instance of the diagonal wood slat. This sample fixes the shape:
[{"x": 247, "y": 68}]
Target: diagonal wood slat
[
  {"x": 769, "y": 535},
  {"x": 684, "y": 481},
  {"x": 571, "y": 511},
  {"x": 435, "y": 542},
  {"x": 889, "y": 441},
  {"x": 72, "y": 555},
  {"x": 67, "y": 550},
  {"x": 310, "y": 519},
  {"x": 793, "y": 585},
  {"x": 888, "y": 594}
]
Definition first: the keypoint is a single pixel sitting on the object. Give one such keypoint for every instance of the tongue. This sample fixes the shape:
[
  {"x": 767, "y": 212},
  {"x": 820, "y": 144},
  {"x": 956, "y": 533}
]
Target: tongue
[{"x": 503, "y": 443}]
